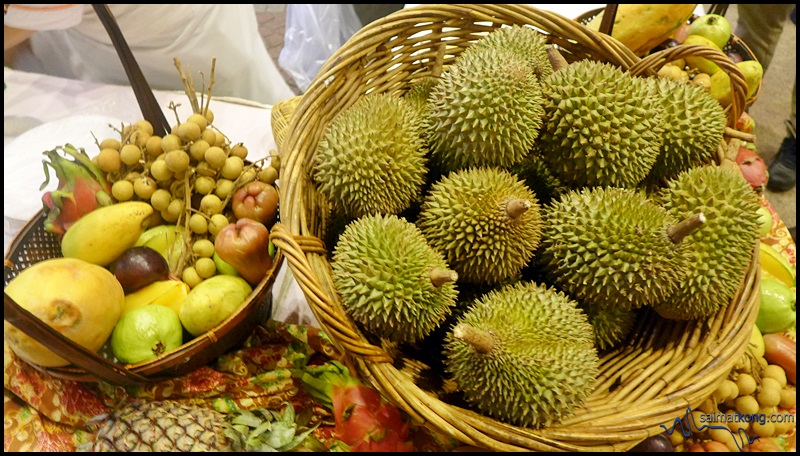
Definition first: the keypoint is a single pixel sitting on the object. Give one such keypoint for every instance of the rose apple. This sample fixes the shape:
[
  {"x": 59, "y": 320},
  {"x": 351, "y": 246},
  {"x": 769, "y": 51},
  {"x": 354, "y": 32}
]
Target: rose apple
[
  {"x": 712, "y": 26},
  {"x": 258, "y": 201},
  {"x": 245, "y": 246}
]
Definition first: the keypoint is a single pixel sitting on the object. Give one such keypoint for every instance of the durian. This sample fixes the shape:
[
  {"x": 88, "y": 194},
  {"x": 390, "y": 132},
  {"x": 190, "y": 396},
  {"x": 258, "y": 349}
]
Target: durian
[
  {"x": 603, "y": 127},
  {"x": 722, "y": 249},
  {"x": 613, "y": 247},
  {"x": 610, "y": 325},
  {"x": 390, "y": 280},
  {"x": 371, "y": 157},
  {"x": 523, "y": 354},
  {"x": 485, "y": 111},
  {"x": 522, "y": 41},
  {"x": 485, "y": 221},
  {"x": 420, "y": 90},
  {"x": 694, "y": 122},
  {"x": 535, "y": 174}
]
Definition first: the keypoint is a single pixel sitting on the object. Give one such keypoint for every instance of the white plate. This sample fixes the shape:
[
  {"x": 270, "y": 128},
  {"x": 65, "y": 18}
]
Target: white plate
[{"x": 23, "y": 159}]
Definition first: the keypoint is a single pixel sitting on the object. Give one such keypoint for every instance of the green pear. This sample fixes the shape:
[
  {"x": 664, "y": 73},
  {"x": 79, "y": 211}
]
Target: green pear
[
  {"x": 701, "y": 63},
  {"x": 212, "y": 301},
  {"x": 720, "y": 88},
  {"x": 753, "y": 73},
  {"x": 778, "y": 306}
]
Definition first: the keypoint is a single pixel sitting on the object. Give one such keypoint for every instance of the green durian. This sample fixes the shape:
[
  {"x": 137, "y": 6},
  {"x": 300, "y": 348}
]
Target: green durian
[
  {"x": 722, "y": 249},
  {"x": 485, "y": 221},
  {"x": 485, "y": 111},
  {"x": 535, "y": 174},
  {"x": 390, "y": 280},
  {"x": 603, "y": 127},
  {"x": 610, "y": 325},
  {"x": 522, "y": 41},
  {"x": 523, "y": 354},
  {"x": 694, "y": 123},
  {"x": 371, "y": 158},
  {"x": 612, "y": 247},
  {"x": 419, "y": 90}
]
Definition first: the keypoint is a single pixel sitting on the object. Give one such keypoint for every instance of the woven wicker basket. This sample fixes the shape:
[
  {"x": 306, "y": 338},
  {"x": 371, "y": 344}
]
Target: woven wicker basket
[
  {"x": 34, "y": 244},
  {"x": 663, "y": 368}
]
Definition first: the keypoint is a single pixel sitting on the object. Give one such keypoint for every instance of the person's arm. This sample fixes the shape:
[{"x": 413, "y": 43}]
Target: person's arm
[{"x": 13, "y": 36}]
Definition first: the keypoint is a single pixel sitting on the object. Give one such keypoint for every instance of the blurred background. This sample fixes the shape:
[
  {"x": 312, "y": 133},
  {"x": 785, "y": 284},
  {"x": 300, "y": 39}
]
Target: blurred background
[{"x": 769, "y": 111}]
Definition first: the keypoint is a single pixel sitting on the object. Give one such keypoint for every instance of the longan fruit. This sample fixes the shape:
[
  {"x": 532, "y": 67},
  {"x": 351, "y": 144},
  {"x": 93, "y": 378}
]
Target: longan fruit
[
  {"x": 153, "y": 146},
  {"x": 160, "y": 199},
  {"x": 122, "y": 190},
  {"x": 198, "y": 149},
  {"x": 232, "y": 168},
  {"x": 746, "y": 383},
  {"x": 747, "y": 405},
  {"x": 110, "y": 143},
  {"x": 144, "y": 126},
  {"x": 160, "y": 171},
  {"x": 130, "y": 154},
  {"x": 788, "y": 398},
  {"x": 198, "y": 119},
  {"x": 108, "y": 160},
  {"x": 209, "y": 115},
  {"x": 268, "y": 175},
  {"x": 209, "y": 136},
  {"x": 776, "y": 372},
  {"x": 171, "y": 142},
  {"x": 191, "y": 277},
  {"x": 211, "y": 204},
  {"x": 763, "y": 430},
  {"x": 175, "y": 209},
  {"x": 203, "y": 248},
  {"x": 177, "y": 160},
  {"x": 144, "y": 187},
  {"x": 769, "y": 397},
  {"x": 217, "y": 223},
  {"x": 198, "y": 224},
  {"x": 204, "y": 185},
  {"x": 239, "y": 150},
  {"x": 205, "y": 267},
  {"x": 189, "y": 131},
  {"x": 216, "y": 157},
  {"x": 224, "y": 188}
]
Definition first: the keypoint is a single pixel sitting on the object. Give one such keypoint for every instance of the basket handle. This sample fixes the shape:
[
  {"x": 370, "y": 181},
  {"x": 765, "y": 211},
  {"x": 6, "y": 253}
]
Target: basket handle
[
  {"x": 34, "y": 327},
  {"x": 144, "y": 95},
  {"x": 650, "y": 64},
  {"x": 320, "y": 304}
]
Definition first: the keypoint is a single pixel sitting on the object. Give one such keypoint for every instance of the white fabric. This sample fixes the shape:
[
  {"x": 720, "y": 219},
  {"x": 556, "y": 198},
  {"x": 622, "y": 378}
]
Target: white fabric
[{"x": 156, "y": 34}]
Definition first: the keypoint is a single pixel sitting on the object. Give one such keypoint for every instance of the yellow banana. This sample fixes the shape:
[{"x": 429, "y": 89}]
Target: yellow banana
[
  {"x": 776, "y": 265},
  {"x": 167, "y": 293},
  {"x": 100, "y": 236}
]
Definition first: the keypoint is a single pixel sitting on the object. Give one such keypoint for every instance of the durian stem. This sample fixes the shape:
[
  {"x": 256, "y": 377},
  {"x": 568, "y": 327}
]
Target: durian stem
[
  {"x": 482, "y": 341},
  {"x": 678, "y": 232},
  {"x": 516, "y": 207},
  {"x": 556, "y": 59},
  {"x": 441, "y": 276}
]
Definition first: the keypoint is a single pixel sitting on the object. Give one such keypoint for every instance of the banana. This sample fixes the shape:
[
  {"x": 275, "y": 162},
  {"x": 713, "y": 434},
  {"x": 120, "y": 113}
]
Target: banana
[
  {"x": 167, "y": 293},
  {"x": 100, "y": 236},
  {"x": 775, "y": 265}
]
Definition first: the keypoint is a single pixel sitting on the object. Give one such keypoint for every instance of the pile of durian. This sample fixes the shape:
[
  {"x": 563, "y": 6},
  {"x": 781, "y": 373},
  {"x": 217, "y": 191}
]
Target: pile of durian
[{"x": 508, "y": 219}]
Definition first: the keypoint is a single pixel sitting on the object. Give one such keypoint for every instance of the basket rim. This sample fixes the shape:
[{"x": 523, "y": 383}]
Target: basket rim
[
  {"x": 304, "y": 209},
  {"x": 174, "y": 362}
]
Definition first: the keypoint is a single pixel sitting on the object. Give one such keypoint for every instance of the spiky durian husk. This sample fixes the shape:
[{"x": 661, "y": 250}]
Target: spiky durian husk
[
  {"x": 465, "y": 216},
  {"x": 694, "y": 123},
  {"x": 485, "y": 111},
  {"x": 535, "y": 174},
  {"x": 522, "y": 41},
  {"x": 611, "y": 325},
  {"x": 609, "y": 247},
  {"x": 382, "y": 269},
  {"x": 722, "y": 248},
  {"x": 162, "y": 426},
  {"x": 420, "y": 90},
  {"x": 603, "y": 127},
  {"x": 371, "y": 158},
  {"x": 543, "y": 362}
]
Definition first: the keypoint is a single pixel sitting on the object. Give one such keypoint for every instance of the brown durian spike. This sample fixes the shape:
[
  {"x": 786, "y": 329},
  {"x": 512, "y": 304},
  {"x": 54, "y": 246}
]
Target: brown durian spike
[
  {"x": 482, "y": 341},
  {"x": 515, "y": 207},
  {"x": 440, "y": 276},
  {"x": 677, "y": 233},
  {"x": 556, "y": 59}
]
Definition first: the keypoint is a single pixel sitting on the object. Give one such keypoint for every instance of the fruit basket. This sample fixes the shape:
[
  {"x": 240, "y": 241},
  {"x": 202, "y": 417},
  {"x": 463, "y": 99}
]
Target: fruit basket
[
  {"x": 34, "y": 244},
  {"x": 663, "y": 368}
]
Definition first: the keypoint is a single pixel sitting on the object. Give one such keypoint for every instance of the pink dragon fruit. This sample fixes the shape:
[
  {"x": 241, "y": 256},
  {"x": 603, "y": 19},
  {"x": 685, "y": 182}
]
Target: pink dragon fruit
[
  {"x": 364, "y": 420},
  {"x": 82, "y": 188}
]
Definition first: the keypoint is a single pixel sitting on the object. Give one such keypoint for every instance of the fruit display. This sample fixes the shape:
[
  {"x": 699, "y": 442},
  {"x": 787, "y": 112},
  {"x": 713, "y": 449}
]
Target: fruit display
[
  {"x": 178, "y": 224},
  {"x": 561, "y": 238}
]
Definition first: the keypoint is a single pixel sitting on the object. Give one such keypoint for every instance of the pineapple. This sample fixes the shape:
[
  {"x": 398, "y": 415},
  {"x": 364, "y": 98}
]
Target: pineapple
[
  {"x": 176, "y": 426},
  {"x": 164, "y": 426}
]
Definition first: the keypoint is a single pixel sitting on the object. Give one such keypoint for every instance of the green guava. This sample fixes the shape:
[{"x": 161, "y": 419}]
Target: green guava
[
  {"x": 777, "y": 310},
  {"x": 146, "y": 333}
]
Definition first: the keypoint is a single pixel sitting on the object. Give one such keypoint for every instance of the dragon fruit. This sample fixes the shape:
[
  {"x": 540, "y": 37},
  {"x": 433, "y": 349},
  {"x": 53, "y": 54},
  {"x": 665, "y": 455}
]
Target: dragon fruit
[
  {"x": 82, "y": 188},
  {"x": 364, "y": 420}
]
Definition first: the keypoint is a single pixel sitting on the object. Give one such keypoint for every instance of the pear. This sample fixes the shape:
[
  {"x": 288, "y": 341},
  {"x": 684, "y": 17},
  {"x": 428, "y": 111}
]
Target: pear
[
  {"x": 701, "y": 63},
  {"x": 753, "y": 73},
  {"x": 777, "y": 310},
  {"x": 720, "y": 88}
]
